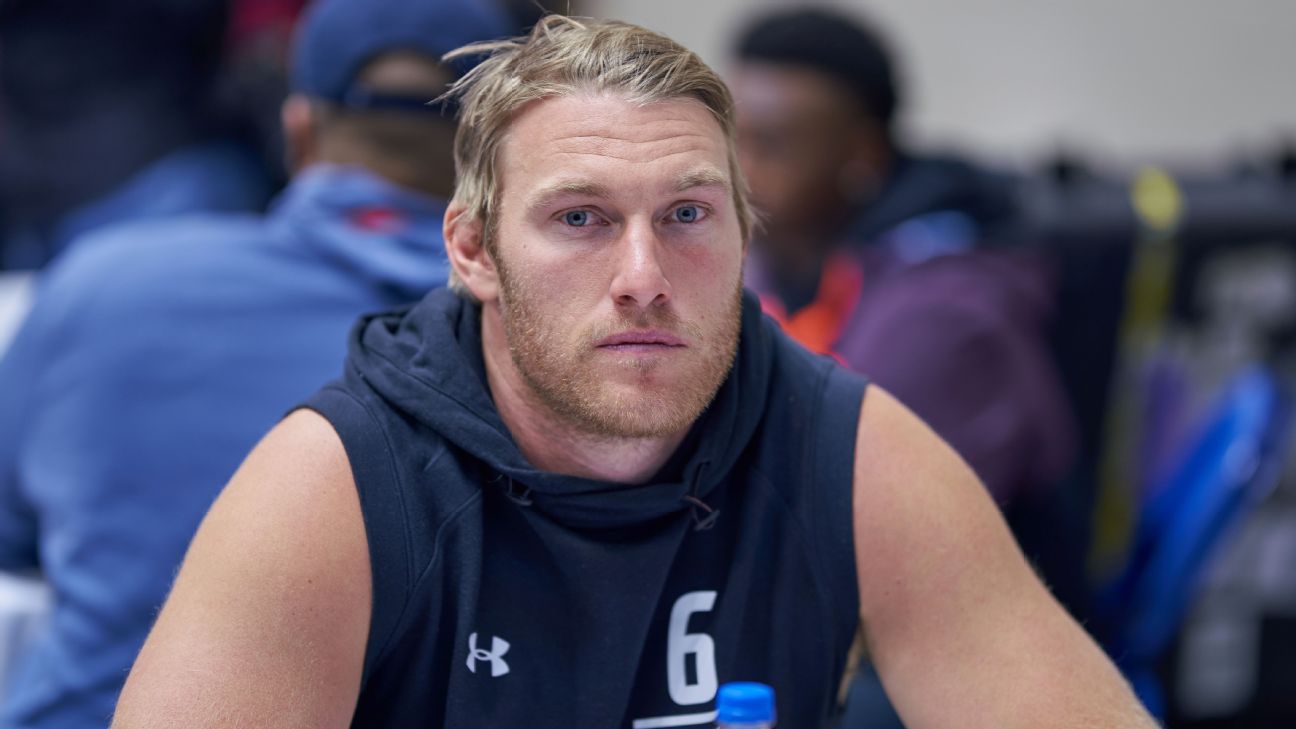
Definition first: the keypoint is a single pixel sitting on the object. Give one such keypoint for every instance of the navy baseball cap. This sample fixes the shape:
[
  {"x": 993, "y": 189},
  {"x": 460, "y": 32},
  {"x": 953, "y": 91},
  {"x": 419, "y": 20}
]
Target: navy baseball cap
[{"x": 336, "y": 38}]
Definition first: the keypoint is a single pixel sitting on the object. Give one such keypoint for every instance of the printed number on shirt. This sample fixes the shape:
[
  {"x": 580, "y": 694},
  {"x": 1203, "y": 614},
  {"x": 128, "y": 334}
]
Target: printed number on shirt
[{"x": 683, "y": 647}]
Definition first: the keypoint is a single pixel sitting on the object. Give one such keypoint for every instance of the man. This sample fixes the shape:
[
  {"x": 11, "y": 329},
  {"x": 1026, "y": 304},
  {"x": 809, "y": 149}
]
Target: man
[
  {"x": 866, "y": 251},
  {"x": 157, "y": 354},
  {"x": 596, "y": 483}
]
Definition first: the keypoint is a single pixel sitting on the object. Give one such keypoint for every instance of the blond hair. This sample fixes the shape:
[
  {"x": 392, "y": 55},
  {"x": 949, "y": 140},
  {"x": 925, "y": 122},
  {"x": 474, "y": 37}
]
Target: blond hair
[{"x": 563, "y": 56}]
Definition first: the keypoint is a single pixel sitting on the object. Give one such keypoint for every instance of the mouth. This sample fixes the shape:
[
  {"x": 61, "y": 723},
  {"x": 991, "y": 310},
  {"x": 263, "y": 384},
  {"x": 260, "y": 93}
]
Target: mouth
[{"x": 641, "y": 340}]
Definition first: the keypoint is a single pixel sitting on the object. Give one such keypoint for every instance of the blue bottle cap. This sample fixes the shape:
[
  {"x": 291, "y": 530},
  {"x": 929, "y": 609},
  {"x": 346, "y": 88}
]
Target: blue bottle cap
[{"x": 745, "y": 702}]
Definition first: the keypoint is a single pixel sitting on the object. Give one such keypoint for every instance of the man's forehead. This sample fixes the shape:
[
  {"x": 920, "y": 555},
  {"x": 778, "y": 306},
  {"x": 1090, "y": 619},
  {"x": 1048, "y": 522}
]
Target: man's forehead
[
  {"x": 610, "y": 125},
  {"x": 576, "y": 141},
  {"x": 564, "y": 185}
]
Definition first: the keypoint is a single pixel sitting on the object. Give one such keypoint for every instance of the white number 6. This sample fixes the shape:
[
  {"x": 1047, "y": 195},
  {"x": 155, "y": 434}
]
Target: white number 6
[{"x": 680, "y": 644}]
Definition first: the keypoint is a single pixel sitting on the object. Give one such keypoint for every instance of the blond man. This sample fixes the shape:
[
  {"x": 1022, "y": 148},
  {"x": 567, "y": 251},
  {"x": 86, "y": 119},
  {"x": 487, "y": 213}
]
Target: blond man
[{"x": 594, "y": 483}]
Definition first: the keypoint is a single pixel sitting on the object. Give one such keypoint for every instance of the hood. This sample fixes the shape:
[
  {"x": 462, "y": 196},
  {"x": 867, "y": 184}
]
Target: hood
[
  {"x": 922, "y": 186},
  {"x": 427, "y": 364},
  {"x": 374, "y": 230}
]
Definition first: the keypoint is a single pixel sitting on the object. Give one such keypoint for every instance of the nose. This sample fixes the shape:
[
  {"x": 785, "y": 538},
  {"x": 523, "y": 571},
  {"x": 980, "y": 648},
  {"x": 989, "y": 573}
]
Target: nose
[{"x": 639, "y": 280}]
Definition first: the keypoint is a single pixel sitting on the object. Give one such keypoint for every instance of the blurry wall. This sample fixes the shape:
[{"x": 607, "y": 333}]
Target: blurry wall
[{"x": 1183, "y": 80}]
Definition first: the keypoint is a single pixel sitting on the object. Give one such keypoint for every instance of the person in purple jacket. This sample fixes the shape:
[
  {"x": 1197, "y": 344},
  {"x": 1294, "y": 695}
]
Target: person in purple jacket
[
  {"x": 874, "y": 254},
  {"x": 156, "y": 354}
]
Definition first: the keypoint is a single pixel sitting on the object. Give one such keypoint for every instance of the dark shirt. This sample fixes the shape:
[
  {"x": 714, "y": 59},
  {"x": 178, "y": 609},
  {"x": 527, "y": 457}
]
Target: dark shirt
[{"x": 509, "y": 596}]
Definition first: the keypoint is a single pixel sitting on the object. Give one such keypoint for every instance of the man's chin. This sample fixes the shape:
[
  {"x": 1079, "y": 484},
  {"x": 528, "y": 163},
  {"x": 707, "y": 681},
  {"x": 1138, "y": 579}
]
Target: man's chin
[{"x": 640, "y": 411}]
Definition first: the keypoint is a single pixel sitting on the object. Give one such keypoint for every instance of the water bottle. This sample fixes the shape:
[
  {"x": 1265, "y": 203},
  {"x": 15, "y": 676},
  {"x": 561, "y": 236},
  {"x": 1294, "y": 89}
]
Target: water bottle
[{"x": 745, "y": 705}]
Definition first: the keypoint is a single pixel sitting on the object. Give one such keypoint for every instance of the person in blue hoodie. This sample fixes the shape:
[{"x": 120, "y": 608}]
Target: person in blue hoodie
[
  {"x": 590, "y": 482},
  {"x": 156, "y": 354}
]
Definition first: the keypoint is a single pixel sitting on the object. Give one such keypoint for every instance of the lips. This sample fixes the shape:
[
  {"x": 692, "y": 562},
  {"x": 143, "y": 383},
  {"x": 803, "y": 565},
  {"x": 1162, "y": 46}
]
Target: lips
[{"x": 640, "y": 338}]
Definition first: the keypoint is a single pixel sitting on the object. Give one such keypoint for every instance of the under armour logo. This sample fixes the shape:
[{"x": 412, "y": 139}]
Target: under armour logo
[{"x": 495, "y": 655}]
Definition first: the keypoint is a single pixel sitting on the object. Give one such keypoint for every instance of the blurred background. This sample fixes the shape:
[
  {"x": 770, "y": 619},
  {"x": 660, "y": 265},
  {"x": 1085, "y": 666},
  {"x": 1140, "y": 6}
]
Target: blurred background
[
  {"x": 1123, "y": 84},
  {"x": 1142, "y": 156}
]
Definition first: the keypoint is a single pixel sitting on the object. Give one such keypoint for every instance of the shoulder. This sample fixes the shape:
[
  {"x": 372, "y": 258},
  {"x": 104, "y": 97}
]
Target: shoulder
[
  {"x": 793, "y": 364},
  {"x": 122, "y": 262},
  {"x": 919, "y": 512},
  {"x": 950, "y": 606},
  {"x": 268, "y": 615},
  {"x": 304, "y": 456},
  {"x": 809, "y": 407},
  {"x": 392, "y": 458},
  {"x": 407, "y": 476},
  {"x": 119, "y": 282},
  {"x": 807, "y": 383},
  {"x": 299, "y": 468}
]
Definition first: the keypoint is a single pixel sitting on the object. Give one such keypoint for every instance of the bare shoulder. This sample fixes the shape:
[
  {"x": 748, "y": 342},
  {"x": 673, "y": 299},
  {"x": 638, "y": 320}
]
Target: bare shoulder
[
  {"x": 962, "y": 631},
  {"x": 269, "y": 615},
  {"x": 295, "y": 488},
  {"x": 302, "y": 455},
  {"x": 915, "y": 498}
]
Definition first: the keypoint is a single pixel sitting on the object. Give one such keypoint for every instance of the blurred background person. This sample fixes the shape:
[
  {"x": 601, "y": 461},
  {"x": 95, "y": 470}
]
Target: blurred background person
[
  {"x": 158, "y": 352},
  {"x": 107, "y": 113},
  {"x": 873, "y": 253},
  {"x": 877, "y": 255}
]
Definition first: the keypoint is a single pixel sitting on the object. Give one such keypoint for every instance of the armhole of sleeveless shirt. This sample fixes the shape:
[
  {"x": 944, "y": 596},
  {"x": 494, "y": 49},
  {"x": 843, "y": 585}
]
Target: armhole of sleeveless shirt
[
  {"x": 833, "y": 462},
  {"x": 382, "y": 502}
]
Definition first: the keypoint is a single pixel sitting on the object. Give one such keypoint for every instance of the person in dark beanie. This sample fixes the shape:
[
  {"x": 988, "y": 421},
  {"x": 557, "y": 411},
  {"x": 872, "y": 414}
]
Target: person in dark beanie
[{"x": 157, "y": 353}]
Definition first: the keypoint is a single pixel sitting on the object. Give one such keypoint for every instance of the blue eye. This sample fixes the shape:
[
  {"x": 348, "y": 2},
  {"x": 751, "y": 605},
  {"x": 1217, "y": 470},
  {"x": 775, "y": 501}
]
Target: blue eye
[
  {"x": 577, "y": 218},
  {"x": 687, "y": 214}
]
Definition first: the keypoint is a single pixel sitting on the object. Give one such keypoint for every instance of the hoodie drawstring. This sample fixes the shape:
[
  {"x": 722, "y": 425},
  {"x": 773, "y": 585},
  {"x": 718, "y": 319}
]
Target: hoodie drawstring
[
  {"x": 704, "y": 515},
  {"x": 518, "y": 493}
]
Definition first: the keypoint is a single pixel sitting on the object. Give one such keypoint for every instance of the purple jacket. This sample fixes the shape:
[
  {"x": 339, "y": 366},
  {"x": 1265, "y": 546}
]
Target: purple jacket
[{"x": 960, "y": 339}]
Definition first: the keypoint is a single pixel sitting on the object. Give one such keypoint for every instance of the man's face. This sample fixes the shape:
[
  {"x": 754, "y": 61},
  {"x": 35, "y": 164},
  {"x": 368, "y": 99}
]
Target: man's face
[
  {"x": 620, "y": 261},
  {"x": 804, "y": 146}
]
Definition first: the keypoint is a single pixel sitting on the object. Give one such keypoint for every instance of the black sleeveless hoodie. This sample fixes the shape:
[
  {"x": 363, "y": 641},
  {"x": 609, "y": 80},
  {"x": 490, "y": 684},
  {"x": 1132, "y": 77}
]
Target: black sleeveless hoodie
[{"x": 505, "y": 596}]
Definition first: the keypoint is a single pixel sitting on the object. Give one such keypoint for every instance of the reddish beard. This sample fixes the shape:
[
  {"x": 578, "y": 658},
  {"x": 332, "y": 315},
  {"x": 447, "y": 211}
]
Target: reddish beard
[{"x": 559, "y": 365}]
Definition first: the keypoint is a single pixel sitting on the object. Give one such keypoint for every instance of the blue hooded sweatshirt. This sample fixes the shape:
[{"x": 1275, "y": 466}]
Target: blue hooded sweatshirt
[
  {"x": 507, "y": 596},
  {"x": 155, "y": 357}
]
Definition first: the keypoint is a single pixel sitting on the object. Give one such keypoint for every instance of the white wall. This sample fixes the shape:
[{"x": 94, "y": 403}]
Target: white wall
[{"x": 1125, "y": 80}]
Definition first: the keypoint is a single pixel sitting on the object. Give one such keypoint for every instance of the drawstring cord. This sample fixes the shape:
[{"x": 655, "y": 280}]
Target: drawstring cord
[
  {"x": 704, "y": 515},
  {"x": 518, "y": 493}
]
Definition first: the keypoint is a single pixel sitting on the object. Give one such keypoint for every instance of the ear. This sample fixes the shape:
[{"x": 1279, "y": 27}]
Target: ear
[
  {"x": 301, "y": 132},
  {"x": 471, "y": 263}
]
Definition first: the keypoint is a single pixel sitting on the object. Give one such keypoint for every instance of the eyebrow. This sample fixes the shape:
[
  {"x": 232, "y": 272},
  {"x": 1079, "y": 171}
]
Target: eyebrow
[
  {"x": 706, "y": 177},
  {"x": 547, "y": 196}
]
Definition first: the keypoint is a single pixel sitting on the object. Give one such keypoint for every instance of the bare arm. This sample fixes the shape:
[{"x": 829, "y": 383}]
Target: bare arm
[
  {"x": 961, "y": 630},
  {"x": 269, "y": 617}
]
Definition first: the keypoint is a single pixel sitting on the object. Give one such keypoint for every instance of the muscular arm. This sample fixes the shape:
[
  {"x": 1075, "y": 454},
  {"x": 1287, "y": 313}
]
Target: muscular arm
[
  {"x": 961, "y": 630},
  {"x": 268, "y": 620}
]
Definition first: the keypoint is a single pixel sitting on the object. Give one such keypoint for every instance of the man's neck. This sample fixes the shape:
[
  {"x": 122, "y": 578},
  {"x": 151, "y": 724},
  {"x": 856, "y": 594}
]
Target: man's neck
[{"x": 551, "y": 442}]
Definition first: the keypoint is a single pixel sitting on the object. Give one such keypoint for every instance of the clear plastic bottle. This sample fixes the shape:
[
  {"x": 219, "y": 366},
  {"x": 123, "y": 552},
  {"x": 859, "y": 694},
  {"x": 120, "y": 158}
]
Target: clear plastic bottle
[{"x": 745, "y": 705}]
